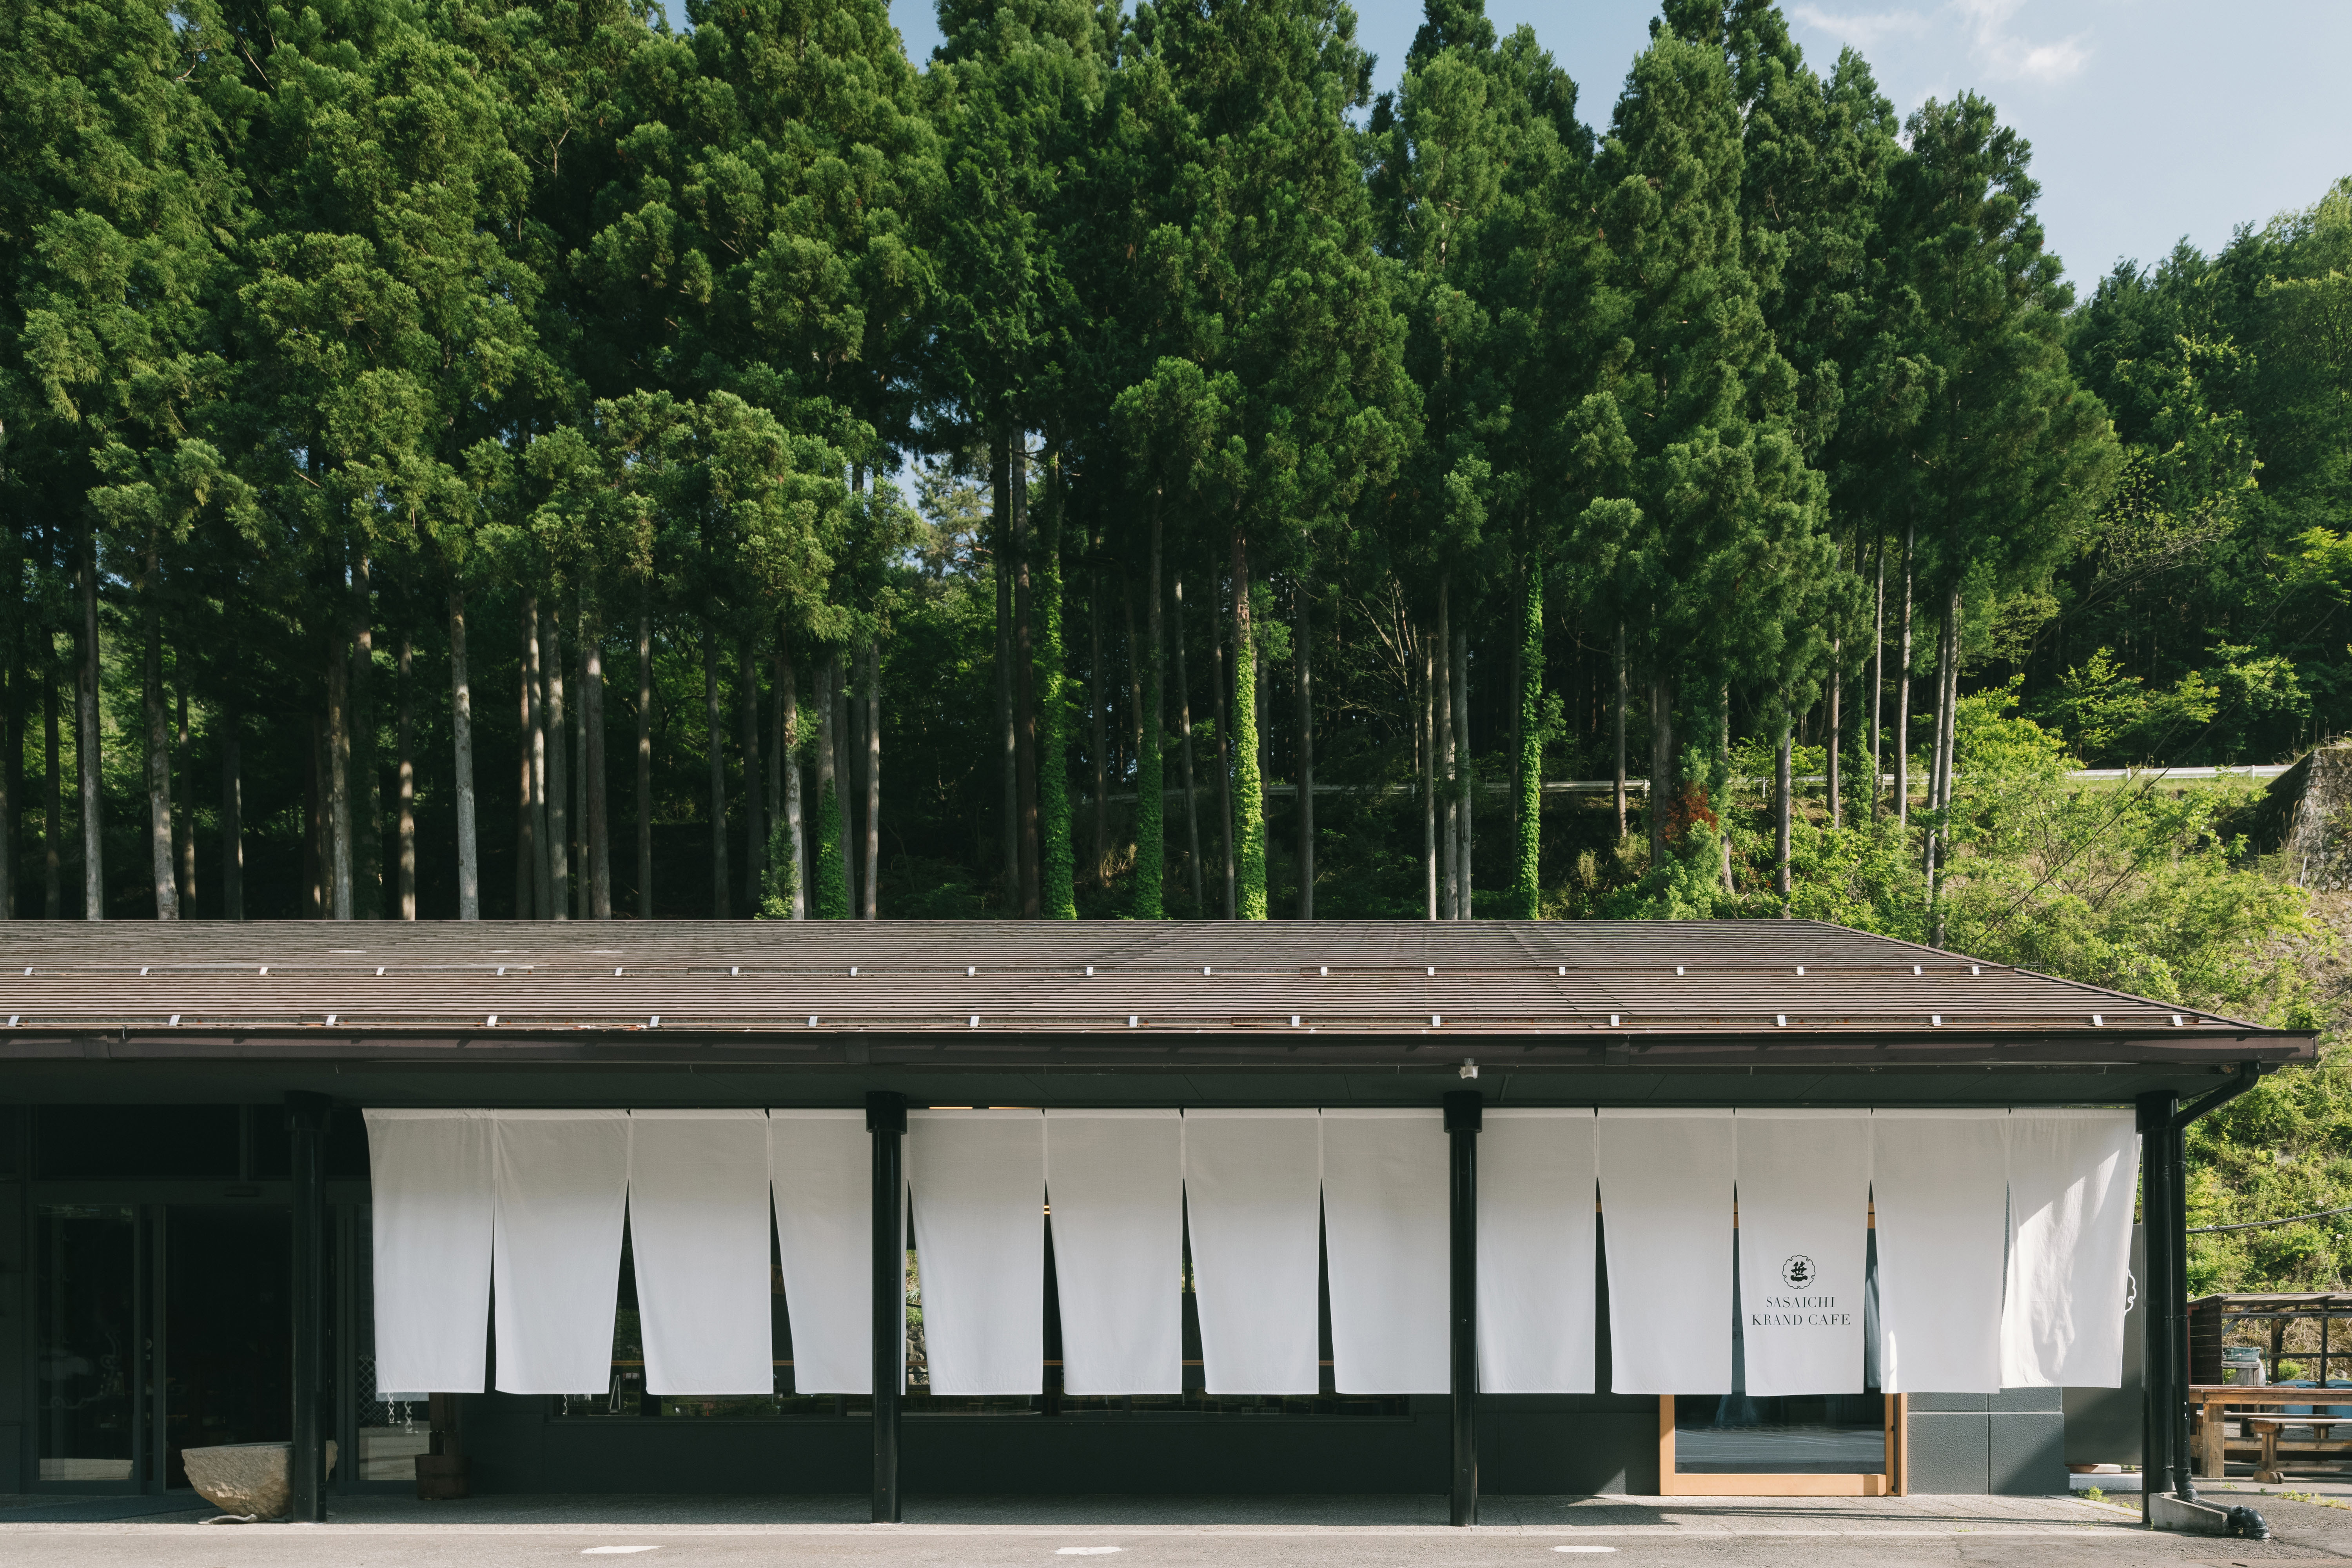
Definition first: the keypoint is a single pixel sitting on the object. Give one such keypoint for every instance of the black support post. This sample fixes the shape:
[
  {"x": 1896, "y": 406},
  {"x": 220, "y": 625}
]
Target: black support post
[
  {"x": 306, "y": 1122},
  {"x": 886, "y": 1120},
  {"x": 2156, "y": 1114},
  {"x": 1464, "y": 1114},
  {"x": 2175, "y": 1301}
]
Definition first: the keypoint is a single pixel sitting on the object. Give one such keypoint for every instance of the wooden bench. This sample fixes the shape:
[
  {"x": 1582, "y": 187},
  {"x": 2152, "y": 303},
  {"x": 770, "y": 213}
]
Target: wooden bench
[
  {"x": 2211, "y": 1444},
  {"x": 2272, "y": 1428}
]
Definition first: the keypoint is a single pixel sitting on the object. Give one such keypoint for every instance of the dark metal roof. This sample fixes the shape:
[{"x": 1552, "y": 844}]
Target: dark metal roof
[{"x": 1563, "y": 993}]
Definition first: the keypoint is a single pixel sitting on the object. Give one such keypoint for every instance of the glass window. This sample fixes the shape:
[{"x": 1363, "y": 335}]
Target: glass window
[
  {"x": 87, "y": 1339},
  {"x": 1811, "y": 1434}
]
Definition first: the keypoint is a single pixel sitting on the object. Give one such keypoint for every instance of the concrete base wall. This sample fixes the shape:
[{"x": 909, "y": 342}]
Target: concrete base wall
[{"x": 2011, "y": 1442}]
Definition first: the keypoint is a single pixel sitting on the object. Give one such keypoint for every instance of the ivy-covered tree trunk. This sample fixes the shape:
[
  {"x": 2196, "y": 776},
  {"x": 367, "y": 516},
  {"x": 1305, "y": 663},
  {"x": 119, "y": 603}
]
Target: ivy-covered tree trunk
[
  {"x": 599, "y": 809},
  {"x": 1150, "y": 767},
  {"x": 1001, "y": 516},
  {"x": 1058, "y": 897},
  {"x": 461, "y": 736},
  {"x": 1184, "y": 731},
  {"x": 755, "y": 804},
  {"x": 870, "y": 883},
  {"x": 367, "y": 782},
  {"x": 339, "y": 779},
  {"x": 1527, "y": 894},
  {"x": 53, "y": 813},
  {"x": 557, "y": 778},
  {"x": 831, "y": 900},
  {"x": 1430, "y": 724},
  {"x": 1782, "y": 787},
  {"x": 644, "y": 780},
  {"x": 184, "y": 803},
  {"x": 1224, "y": 766},
  {"x": 404, "y": 796},
  {"x": 1665, "y": 790},
  {"x": 788, "y": 762},
  {"x": 1449, "y": 894},
  {"x": 1878, "y": 683},
  {"x": 1249, "y": 780},
  {"x": 1617, "y": 669},
  {"x": 1100, "y": 874}
]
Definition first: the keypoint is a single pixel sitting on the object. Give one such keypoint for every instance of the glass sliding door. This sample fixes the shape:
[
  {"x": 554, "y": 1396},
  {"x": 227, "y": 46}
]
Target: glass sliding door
[
  {"x": 228, "y": 1344},
  {"x": 89, "y": 1337}
]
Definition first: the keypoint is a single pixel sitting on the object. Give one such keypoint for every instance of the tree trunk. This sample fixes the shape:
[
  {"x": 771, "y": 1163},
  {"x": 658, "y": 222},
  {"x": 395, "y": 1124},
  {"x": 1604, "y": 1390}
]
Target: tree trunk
[
  {"x": 847, "y": 756},
  {"x": 159, "y": 760},
  {"x": 1942, "y": 719},
  {"x": 314, "y": 817},
  {"x": 1024, "y": 676},
  {"x": 1151, "y": 754},
  {"x": 831, "y": 898},
  {"x": 53, "y": 831},
  {"x": 1902, "y": 737},
  {"x": 1449, "y": 900},
  {"x": 715, "y": 717},
  {"x": 183, "y": 828},
  {"x": 461, "y": 729},
  {"x": 1429, "y": 724},
  {"x": 1000, "y": 481},
  {"x": 576, "y": 764},
  {"x": 338, "y": 779},
  {"x": 1249, "y": 783},
  {"x": 530, "y": 862},
  {"x": 873, "y": 878},
  {"x": 1466, "y": 782},
  {"x": 1101, "y": 876},
  {"x": 1836, "y": 737},
  {"x": 1782, "y": 785},
  {"x": 599, "y": 791},
  {"x": 1184, "y": 731},
  {"x": 788, "y": 711},
  {"x": 1618, "y": 654},
  {"x": 404, "y": 740},
  {"x": 87, "y": 765},
  {"x": 366, "y": 781},
  {"x": 755, "y": 803},
  {"x": 12, "y": 761},
  {"x": 1953, "y": 611},
  {"x": 1303, "y": 662},
  {"x": 558, "y": 766},
  {"x": 1878, "y": 683},
  {"x": 644, "y": 780},
  {"x": 1530, "y": 780},
  {"x": 1224, "y": 765},
  {"x": 1665, "y": 794}
]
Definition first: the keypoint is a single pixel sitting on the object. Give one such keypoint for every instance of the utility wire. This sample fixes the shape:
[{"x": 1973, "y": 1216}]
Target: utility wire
[{"x": 2263, "y": 1223}]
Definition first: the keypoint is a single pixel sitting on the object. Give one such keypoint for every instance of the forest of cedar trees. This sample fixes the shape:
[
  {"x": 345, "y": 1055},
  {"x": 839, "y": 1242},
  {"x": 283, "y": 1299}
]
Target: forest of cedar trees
[{"x": 465, "y": 460}]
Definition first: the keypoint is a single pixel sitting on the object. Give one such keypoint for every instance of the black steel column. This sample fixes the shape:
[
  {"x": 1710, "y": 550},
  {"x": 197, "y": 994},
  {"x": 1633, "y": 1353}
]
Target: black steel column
[
  {"x": 885, "y": 1119},
  {"x": 2158, "y": 1397},
  {"x": 306, "y": 1122},
  {"x": 1464, "y": 1113},
  {"x": 2176, "y": 1297}
]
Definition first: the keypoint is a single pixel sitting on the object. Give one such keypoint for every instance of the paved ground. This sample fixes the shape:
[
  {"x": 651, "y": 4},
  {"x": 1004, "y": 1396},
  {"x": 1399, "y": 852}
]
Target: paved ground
[{"x": 2313, "y": 1524}]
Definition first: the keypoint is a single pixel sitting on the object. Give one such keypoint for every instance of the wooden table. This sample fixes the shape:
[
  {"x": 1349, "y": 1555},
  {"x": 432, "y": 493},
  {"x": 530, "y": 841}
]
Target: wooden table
[
  {"x": 2212, "y": 1396},
  {"x": 2268, "y": 1427}
]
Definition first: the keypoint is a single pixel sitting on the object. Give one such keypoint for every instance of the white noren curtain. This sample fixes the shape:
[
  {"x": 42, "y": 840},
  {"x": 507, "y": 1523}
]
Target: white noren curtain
[
  {"x": 1665, "y": 1222},
  {"x": 1115, "y": 1182},
  {"x": 1252, "y": 1184},
  {"x": 1804, "y": 1240},
  {"x": 978, "y": 1179},
  {"x": 1536, "y": 1287},
  {"x": 1384, "y": 1217},
  {"x": 1939, "y": 1181},
  {"x": 562, "y": 1183},
  {"x": 2071, "y": 1182},
  {"x": 698, "y": 1234},
  {"x": 821, "y": 1163},
  {"x": 433, "y": 1201}
]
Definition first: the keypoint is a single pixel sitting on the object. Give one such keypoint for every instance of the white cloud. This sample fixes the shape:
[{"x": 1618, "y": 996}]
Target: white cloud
[
  {"x": 1863, "y": 31},
  {"x": 2006, "y": 54}
]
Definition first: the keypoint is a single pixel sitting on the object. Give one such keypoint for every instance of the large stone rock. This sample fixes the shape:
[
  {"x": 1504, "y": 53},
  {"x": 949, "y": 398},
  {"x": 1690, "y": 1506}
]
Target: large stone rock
[{"x": 253, "y": 1479}]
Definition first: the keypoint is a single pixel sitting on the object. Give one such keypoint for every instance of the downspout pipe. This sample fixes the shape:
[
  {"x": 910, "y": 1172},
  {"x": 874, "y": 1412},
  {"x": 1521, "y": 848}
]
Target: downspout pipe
[{"x": 2164, "y": 1197}]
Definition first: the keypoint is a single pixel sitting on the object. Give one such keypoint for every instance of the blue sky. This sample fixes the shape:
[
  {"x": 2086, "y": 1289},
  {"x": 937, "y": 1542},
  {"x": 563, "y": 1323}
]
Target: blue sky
[{"x": 2149, "y": 118}]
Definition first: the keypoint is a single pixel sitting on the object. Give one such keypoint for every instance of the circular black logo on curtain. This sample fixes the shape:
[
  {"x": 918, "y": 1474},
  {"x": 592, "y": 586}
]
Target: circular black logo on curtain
[{"x": 1798, "y": 1272}]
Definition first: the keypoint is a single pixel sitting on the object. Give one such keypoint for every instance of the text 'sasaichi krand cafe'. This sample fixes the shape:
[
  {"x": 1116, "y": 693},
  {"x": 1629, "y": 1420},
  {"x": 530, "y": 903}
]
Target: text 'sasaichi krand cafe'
[{"x": 1690, "y": 1209}]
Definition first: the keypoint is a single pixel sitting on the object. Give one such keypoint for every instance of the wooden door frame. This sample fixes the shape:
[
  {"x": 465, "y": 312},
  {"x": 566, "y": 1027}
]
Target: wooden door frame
[{"x": 1894, "y": 1481}]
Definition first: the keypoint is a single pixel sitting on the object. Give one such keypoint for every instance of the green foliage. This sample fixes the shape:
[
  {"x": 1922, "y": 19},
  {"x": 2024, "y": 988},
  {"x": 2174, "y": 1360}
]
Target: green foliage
[
  {"x": 779, "y": 874},
  {"x": 831, "y": 900}
]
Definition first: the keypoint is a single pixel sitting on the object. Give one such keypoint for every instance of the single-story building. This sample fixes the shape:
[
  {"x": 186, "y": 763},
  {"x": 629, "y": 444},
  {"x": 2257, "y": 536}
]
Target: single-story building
[{"x": 1329, "y": 1206}]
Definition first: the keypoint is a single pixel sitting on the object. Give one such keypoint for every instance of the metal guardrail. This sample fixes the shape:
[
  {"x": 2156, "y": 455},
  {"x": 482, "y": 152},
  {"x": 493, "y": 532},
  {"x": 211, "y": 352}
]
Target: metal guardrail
[{"x": 1635, "y": 785}]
